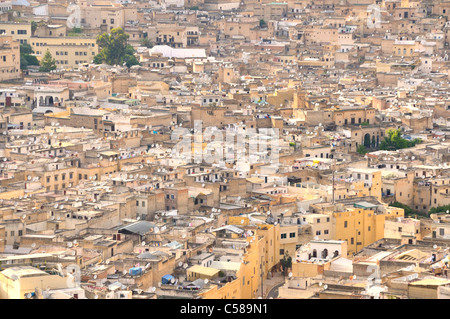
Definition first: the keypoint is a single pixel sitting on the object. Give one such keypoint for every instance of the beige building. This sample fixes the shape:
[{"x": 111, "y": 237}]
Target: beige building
[
  {"x": 68, "y": 52},
  {"x": 401, "y": 227},
  {"x": 288, "y": 240},
  {"x": 19, "y": 31},
  {"x": 321, "y": 225},
  {"x": 9, "y": 59},
  {"x": 102, "y": 15},
  {"x": 18, "y": 282}
]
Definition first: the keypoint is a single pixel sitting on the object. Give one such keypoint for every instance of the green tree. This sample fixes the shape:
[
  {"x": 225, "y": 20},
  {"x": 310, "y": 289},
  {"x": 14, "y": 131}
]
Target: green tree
[
  {"x": 75, "y": 32},
  {"x": 130, "y": 60},
  {"x": 408, "y": 210},
  {"x": 23, "y": 63},
  {"x": 394, "y": 141},
  {"x": 146, "y": 42},
  {"x": 361, "y": 149},
  {"x": 25, "y": 48},
  {"x": 439, "y": 209},
  {"x": 286, "y": 262},
  {"x": 262, "y": 23},
  {"x": 98, "y": 59},
  {"x": 31, "y": 59},
  {"x": 26, "y": 58},
  {"x": 48, "y": 63},
  {"x": 34, "y": 27},
  {"x": 115, "y": 49}
]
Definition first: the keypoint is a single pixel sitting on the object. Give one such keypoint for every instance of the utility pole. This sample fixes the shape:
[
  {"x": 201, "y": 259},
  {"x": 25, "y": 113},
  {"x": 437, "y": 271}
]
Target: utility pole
[
  {"x": 333, "y": 168},
  {"x": 333, "y": 185}
]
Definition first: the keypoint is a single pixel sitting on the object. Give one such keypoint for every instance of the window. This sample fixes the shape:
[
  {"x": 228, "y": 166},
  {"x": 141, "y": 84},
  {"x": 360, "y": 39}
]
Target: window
[
  {"x": 318, "y": 233},
  {"x": 283, "y": 236},
  {"x": 292, "y": 235},
  {"x": 143, "y": 204},
  {"x": 137, "y": 203},
  {"x": 352, "y": 241},
  {"x": 345, "y": 224},
  {"x": 281, "y": 251},
  {"x": 325, "y": 231}
]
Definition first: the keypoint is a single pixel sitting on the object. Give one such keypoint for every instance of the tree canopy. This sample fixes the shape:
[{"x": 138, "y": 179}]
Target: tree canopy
[
  {"x": 115, "y": 49},
  {"x": 48, "y": 63},
  {"x": 34, "y": 26},
  {"x": 439, "y": 209},
  {"x": 262, "y": 23},
  {"x": 146, "y": 42},
  {"x": 26, "y": 58},
  {"x": 408, "y": 210},
  {"x": 394, "y": 141},
  {"x": 361, "y": 149},
  {"x": 286, "y": 262}
]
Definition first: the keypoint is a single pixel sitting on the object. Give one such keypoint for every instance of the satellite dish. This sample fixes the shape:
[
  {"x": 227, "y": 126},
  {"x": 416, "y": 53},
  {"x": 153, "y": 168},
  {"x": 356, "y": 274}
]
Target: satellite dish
[{"x": 206, "y": 281}]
